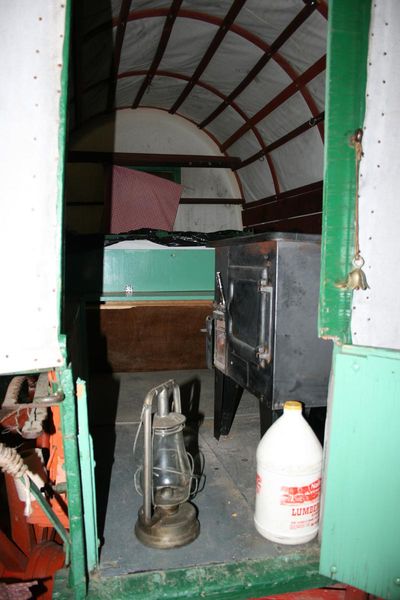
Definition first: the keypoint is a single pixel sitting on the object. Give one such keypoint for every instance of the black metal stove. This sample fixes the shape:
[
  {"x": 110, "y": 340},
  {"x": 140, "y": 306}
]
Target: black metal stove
[{"x": 265, "y": 326}]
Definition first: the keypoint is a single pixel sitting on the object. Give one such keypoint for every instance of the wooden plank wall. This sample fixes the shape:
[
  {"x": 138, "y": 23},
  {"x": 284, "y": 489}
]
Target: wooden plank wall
[
  {"x": 298, "y": 210},
  {"x": 147, "y": 336}
]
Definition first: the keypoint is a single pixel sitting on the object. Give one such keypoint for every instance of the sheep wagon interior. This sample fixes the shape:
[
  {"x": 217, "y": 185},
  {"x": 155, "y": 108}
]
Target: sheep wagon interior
[{"x": 191, "y": 244}]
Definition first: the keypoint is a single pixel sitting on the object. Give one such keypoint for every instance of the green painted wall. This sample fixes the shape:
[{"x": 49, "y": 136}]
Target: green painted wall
[
  {"x": 166, "y": 270},
  {"x": 361, "y": 528},
  {"x": 234, "y": 581}
]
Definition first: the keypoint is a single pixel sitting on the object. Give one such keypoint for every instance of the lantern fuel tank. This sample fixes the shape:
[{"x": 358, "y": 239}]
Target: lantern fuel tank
[{"x": 288, "y": 481}]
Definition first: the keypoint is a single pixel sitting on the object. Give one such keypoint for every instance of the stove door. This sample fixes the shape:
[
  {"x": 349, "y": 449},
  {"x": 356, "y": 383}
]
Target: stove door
[{"x": 250, "y": 312}]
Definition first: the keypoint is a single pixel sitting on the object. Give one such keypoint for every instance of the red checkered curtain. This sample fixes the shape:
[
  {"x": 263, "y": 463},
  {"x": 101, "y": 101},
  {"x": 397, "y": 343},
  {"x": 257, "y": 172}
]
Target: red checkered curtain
[{"x": 141, "y": 200}]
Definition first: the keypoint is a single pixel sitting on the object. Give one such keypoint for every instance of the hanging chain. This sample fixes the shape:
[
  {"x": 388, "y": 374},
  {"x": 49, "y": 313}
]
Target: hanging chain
[
  {"x": 357, "y": 142},
  {"x": 356, "y": 279}
]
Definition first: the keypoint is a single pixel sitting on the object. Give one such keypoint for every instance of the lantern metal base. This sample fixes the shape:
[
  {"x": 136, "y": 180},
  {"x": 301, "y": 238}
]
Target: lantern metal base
[{"x": 168, "y": 528}]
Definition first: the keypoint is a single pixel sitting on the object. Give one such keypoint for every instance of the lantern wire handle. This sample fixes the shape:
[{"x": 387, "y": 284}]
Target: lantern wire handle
[{"x": 137, "y": 487}]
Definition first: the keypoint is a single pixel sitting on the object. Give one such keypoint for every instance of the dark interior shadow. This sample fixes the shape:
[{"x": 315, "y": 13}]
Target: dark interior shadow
[
  {"x": 84, "y": 253},
  {"x": 103, "y": 405},
  {"x": 316, "y": 417},
  {"x": 190, "y": 399}
]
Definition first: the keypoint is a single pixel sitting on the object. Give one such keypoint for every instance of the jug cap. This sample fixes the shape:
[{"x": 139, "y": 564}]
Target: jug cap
[{"x": 292, "y": 405}]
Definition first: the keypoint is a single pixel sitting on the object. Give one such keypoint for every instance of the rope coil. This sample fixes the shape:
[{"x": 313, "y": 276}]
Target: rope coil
[{"x": 12, "y": 464}]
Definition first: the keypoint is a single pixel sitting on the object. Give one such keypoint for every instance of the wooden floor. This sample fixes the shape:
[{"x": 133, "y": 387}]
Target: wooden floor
[{"x": 226, "y": 497}]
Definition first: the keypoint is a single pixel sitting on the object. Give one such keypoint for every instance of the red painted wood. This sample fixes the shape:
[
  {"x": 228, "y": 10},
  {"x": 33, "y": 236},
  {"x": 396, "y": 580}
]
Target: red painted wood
[
  {"x": 298, "y": 210},
  {"x": 166, "y": 33},
  {"x": 303, "y": 224},
  {"x": 283, "y": 209},
  {"x": 119, "y": 40},
  {"x": 181, "y": 201},
  {"x": 335, "y": 592},
  {"x": 211, "y": 201},
  {"x": 289, "y": 91},
  {"x": 236, "y": 107},
  {"x": 295, "y": 192},
  {"x": 202, "y": 84},
  {"x": 323, "y": 8},
  {"x": 260, "y": 64},
  {"x": 155, "y": 160},
  {"x": 224, "y": 27},
  {"x": 214, "y": 20},
  {"x": 284, "y": 139}
]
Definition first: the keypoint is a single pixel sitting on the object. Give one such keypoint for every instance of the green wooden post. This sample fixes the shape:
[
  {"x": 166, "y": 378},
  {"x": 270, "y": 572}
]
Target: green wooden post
[
  {"x": 62, "y": 136},
  {"x": 86, "y": 459},
  {"x": 348, "y": 27},
  {"x": 77, "y": 571},
  {"x": 360, "y": 531}
]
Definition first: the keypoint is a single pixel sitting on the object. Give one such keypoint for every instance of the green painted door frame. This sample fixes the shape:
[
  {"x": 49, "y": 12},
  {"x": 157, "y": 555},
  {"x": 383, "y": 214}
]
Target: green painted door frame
[
  {"x": 345, "y": 106},
  {"x": 348, "y": 31},
  {"x": 360, "y": 533}
]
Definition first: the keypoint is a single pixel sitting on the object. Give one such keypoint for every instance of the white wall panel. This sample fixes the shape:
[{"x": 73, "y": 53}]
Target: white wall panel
[
  {"x": 300, "y": 161},
  {"x": 285, "y": 118},
  {"x": 140, "y": 42},
  {"x": 152, "y": 130},
  {"x": 31, "y": 38},
  {"x": 257, "y": 181},
  {"x": 246, "y": 55},
  {"x": 126, "y": 90},
  {"x": 199, "y": 104},
  {"x": 270, "y": 81},
  {"x": 188, "y": 42},
  {"x": 376, "y": 315},
  {"x": 307, "y": 44}
]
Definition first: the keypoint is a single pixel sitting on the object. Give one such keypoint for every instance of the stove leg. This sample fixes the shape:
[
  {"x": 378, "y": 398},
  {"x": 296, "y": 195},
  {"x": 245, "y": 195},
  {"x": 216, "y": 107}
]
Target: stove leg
[
  {"x": 266, "y": 416},
  {"x": 226, "y": 400}
]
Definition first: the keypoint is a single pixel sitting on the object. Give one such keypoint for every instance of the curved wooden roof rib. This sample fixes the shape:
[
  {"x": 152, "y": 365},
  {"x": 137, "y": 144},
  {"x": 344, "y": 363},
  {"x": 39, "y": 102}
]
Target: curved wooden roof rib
[
  {"x": 298, "y": 84},
  {"x": 299, "y": 19},
  {"x": 166, "y": 33},
  {"x": 289, "y": 91},
  {"x": 119, "y": 40},
  {"x": 212, "y": 90},
  {"x": 217, "y": 40},
  {"x": 217, "y": 21},
  {"x": 323, "y": 8},
  {"x": 283, "y": 140}
]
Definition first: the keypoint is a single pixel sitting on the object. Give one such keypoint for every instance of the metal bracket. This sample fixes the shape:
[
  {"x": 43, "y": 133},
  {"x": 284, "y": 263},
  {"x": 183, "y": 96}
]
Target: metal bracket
[
  {"x": 263, "y": 355},
  {"x": 42, "y": 396}
]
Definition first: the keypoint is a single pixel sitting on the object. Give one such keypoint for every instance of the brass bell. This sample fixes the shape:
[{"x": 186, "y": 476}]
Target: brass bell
[{"x": 356, "y": 279}]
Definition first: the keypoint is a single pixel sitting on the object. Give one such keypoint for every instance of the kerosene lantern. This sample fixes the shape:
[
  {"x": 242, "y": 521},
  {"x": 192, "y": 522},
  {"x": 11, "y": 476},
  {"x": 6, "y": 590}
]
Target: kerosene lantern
[{"x": 166, "y": 519}]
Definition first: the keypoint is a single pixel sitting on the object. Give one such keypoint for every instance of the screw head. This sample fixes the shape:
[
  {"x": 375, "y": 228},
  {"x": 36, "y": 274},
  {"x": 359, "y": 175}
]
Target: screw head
[
  {"x": 397, "y": 581},
  {"x": 333, "y": 570}
]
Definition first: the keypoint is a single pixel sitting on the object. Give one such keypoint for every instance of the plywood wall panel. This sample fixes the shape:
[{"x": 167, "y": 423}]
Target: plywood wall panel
[{"x": 147, "y": 337}]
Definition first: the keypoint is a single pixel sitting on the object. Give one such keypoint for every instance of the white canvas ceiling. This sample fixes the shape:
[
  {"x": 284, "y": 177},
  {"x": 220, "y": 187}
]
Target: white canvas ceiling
[{"x": 102, "y": 41}]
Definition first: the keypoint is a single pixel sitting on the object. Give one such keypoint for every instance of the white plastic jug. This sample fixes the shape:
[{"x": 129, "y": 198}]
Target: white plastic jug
[{"x": 288, "y": 484}]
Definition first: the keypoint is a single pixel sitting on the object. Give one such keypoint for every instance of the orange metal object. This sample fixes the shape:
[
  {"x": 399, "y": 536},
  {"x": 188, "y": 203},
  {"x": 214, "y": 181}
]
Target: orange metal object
[
  {"x": 334, "y": 592},
  {"x": 55, "y": 468},
  {"x": 34, "y": 550}
]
